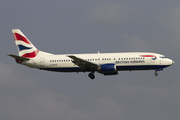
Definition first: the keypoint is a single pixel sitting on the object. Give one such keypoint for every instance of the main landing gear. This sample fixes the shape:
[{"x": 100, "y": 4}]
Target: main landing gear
[{"x": 91, "y": 75}]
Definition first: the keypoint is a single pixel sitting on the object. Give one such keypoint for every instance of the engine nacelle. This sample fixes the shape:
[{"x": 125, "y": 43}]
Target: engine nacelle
[
  {"x": 108, "y": 69},
  {"x": 111, "y": 73}
]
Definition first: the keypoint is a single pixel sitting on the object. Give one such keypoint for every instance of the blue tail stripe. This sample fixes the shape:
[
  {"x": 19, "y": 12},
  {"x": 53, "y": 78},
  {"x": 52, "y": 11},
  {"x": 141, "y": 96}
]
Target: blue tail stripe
[{"x": 21, "y": 47}]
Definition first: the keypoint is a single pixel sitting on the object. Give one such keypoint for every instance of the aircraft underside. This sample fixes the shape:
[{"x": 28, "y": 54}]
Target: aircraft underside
[{"x": 119, "y": 68}]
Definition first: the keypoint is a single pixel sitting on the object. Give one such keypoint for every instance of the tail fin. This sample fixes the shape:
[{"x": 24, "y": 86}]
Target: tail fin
[{"x": 25, "y": 47}]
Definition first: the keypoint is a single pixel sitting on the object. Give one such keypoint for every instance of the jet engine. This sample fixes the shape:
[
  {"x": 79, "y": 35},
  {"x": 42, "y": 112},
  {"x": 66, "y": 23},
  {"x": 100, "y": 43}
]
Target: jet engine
[{"x": 108, "y": 69}]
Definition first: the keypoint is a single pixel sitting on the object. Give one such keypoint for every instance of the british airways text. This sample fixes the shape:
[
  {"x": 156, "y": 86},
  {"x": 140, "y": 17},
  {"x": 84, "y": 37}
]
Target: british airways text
[{"x": 133, "y": 61}]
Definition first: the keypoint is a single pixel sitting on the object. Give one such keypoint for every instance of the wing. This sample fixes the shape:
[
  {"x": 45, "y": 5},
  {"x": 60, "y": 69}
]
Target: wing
[{"x": 84, "y": 64}]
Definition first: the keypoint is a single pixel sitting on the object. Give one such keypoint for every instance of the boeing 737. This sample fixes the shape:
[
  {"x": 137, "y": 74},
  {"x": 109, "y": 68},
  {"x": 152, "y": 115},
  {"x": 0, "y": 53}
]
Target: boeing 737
[{"x": 104, "y": 63}]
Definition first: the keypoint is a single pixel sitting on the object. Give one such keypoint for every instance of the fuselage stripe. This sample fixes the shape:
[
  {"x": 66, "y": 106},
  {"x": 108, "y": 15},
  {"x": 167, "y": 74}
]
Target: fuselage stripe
[{"x": 147, "y": 55}]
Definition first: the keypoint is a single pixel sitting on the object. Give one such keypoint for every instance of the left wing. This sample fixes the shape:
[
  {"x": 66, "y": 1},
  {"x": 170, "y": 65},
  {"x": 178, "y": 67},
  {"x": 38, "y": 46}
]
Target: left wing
[{"x": 84, "y": 64}]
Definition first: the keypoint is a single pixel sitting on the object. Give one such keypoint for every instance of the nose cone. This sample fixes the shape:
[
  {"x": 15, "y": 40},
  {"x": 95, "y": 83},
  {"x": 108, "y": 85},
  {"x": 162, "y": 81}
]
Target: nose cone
[{"x": 168, "y": 62}]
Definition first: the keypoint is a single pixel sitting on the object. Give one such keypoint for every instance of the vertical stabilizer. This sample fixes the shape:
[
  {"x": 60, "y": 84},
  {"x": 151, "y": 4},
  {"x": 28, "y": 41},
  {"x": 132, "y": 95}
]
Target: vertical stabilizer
[{"x": 25, "y": 47}]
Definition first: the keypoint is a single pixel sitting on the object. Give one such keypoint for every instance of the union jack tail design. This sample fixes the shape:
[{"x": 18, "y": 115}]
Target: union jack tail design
[{"x": 25, "y": 47}]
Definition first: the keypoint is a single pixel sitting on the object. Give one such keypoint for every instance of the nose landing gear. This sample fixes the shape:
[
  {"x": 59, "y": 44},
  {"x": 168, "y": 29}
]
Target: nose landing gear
[
  {"x": 91, "y": 75},
  {"x": 156, "y": 74}
]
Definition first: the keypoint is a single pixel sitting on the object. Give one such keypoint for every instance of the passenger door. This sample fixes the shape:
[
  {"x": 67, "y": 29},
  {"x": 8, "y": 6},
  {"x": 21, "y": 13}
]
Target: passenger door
[{"x": 41, "y": 62}]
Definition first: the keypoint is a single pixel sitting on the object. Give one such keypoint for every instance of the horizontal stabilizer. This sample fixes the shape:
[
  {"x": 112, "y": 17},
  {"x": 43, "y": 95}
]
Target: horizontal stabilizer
[{"x": 18, "y": 57}]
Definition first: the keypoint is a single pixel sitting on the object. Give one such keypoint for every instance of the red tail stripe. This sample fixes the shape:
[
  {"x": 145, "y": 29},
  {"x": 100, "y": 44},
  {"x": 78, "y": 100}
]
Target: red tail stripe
[
  {"x": 19, "y": 37},
  {"x": 31, "y": 55},
  {"x": 19, "y": 61}
]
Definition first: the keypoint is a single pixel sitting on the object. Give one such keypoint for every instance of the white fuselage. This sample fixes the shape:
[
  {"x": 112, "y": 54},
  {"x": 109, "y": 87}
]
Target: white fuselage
[{"x": 123, "y": 61}]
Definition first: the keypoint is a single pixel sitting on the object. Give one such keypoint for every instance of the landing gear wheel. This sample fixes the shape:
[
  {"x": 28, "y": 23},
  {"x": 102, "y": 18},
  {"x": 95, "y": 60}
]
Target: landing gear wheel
[
  {"x": 156, "y": 74},
  {"x": 91, "y": 75}
]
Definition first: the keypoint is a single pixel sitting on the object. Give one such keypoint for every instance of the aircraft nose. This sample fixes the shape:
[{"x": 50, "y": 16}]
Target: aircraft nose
[{"x": 172, "y": 62}]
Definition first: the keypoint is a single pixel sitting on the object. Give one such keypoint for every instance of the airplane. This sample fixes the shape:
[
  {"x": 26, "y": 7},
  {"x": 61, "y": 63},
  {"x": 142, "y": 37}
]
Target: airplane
[{"x": 104, "y": 63}]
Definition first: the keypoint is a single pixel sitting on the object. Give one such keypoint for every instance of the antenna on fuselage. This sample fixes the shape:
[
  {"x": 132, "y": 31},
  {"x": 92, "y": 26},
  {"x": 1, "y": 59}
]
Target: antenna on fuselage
[{"x": 98, "y": 52}]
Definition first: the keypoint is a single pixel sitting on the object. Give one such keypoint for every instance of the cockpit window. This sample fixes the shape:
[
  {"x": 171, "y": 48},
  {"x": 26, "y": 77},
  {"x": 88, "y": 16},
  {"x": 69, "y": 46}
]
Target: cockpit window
[{"x": 162, "y": 57}]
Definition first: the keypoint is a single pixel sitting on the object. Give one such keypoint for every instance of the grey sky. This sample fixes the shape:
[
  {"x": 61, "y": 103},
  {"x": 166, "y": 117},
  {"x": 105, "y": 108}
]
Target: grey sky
[{"x": 79, "y": 26}]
